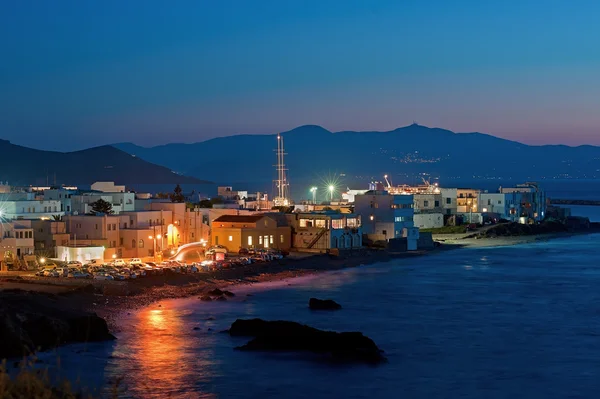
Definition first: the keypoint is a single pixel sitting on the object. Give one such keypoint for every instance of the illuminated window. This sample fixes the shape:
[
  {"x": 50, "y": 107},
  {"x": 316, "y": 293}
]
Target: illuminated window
[
  {"x": 337, "y": 224},
  {"x": 281, "y": 238},
  {"x": 320, "y": 223},
  {"x": 260, "y": 240},
  {"x": 249, "y": 241},
  {"x": 270, "y": 239},
  {"x": 141, "y": 244},
  {"x": 230, "y": 238}
]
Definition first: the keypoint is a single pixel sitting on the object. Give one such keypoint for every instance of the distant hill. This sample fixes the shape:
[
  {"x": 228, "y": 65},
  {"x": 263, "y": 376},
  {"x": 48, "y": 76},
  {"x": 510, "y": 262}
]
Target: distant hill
[
  {"x": 24, "y": 166},
  {"x": 404, "y": 153}
]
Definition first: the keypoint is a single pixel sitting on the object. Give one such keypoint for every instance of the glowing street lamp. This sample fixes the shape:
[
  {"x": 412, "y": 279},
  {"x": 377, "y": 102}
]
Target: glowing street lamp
[
  {"x": 114, "y": 256},
  {"x": 331, "y": 189},
  {"x": 42, "y": 260},
  {"x": 313, "y": 190}
]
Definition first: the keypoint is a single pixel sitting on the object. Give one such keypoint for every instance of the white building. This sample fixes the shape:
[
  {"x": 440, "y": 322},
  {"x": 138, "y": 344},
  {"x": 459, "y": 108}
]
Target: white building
[
  {"x": 16, "y": 243},
  {"x": 30, "y": 209},
  {"x": 121, "y": 202},
  {"x": 387, "y": 215},
  {"x": 449, "y": 196}
]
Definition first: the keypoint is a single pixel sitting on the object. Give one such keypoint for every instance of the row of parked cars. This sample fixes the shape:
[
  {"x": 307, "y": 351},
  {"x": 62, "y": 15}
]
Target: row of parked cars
[{"x": 115, "y": 270}]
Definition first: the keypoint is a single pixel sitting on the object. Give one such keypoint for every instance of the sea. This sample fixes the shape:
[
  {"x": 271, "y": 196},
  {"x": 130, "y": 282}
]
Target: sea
[{"x": 505, "y": 322}]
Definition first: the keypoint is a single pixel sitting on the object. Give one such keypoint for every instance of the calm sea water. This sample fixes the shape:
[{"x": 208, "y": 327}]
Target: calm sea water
[{"x": 505, "y": 322}]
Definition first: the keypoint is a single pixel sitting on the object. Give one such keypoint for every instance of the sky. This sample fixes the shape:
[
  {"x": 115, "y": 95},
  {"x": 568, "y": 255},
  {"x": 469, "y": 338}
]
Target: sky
[{"x": 81, "y": 73}]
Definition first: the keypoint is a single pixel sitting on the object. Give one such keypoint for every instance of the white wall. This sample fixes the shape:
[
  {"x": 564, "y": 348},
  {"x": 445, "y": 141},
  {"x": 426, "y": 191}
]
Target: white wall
[
  {"x": 428, "y": 220},
  {"x": 82, "y": 254}
]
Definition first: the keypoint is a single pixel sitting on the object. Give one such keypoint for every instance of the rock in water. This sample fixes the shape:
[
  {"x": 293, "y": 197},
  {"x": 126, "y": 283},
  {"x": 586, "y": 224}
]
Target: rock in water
[
  {"x": 228, "y": 293},
  {"x": 205, "y": 298},
  {"x": 292, "y": 336},
  {"x": 323, "y": 304},
  {"x": 215, "y": 292}
]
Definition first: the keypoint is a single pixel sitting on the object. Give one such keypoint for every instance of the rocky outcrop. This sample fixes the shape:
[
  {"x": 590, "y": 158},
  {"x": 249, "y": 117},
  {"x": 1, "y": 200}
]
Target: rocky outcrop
[
  {"x": 323, "y": 304},
  {"x": 292, "y": 336},
  {"x": 30, "y": 322}
]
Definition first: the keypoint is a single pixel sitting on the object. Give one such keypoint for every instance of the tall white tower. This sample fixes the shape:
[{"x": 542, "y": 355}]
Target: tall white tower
[{"x": 283, "y": 189}]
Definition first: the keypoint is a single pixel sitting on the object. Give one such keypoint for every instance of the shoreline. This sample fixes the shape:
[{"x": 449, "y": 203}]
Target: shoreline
[{"x": 111, "y": 304}]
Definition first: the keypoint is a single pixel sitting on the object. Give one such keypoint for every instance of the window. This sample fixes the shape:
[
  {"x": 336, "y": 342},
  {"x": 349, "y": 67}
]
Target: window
[
  {"x": 141, "y": 244},
  {"x": 133, "y": 243},
  {"x": 259, "y": 240},
  {"x": 403, "y": 219},
  {"x": 121, "y": 241},
  {"x": 384, "y": 232},
  {"x": 320, "y": 223},
  {"x": 55, "y": 208},
  {"x": 425, "y": 204},
  {"x": 249, "y": 241},
  {"x": 45, "y": 209},
  {"x": 337, "y": 224},
  {"x": 448, "y": 201},
  {"x": 192, "y": 234},
  {"x": 281, "y": 238},
  {"x": 68, "y": 208},
  {"x": 489, "y": 202},
  {"x": 270, "y": 239},
  {"x": 230, "y": 238},
  {"x": 114, "y": 226},
  {"x": 499, "y": 202},
  {"x": 437, "y": 204}
]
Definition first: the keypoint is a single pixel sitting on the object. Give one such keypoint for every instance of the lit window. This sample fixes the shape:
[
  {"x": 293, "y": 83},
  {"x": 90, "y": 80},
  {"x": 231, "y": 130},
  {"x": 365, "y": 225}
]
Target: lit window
[
  {"x": 260, "y": 240},
  {"x": 270, "y": 239},
  {"x": 281, "y": 238},
  {"x": 230, "y": 238},
  {"x": 249, "y": 241}
]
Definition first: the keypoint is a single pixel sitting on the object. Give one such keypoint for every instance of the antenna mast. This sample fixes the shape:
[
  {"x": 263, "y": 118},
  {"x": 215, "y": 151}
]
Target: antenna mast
[{"x": 281, "y": 182}]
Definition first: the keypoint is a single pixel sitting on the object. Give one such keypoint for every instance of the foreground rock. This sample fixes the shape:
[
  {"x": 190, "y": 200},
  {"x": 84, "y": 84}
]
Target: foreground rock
[
  {"x": 323, "y": 304},
  {"x": 33, "y": 321},
  {"x": 292, "y": 336}
]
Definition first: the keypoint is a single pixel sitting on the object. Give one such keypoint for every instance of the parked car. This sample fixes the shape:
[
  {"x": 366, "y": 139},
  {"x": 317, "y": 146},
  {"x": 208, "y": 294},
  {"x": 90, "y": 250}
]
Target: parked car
[
  {"x": 119, "y": 263},
  {"x": 78, "y": 274},
  {"x": 74, "y": 263},
  {"x": 243, "y": 251},
  {"x": 136, "y": 261}
]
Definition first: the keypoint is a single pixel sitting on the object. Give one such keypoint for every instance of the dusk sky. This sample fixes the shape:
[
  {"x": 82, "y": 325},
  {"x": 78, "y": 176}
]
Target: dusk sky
[{"x": 83, "y": 73}]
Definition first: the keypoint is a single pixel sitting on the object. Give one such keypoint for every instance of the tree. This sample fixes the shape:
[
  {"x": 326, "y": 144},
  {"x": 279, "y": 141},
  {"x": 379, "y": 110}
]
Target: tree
[
  {"x": 56, "y": 217},
  {"x": 177, "y": 195},
  {"x": 205, "y": 204},
  {"x": 101, "y": 207}
]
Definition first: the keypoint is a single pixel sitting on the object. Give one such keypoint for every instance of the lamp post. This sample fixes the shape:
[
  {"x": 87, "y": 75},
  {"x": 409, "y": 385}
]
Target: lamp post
[
  {"x": 331, "y": 188},
  {"x": 153, "y": 246},
  {"x": 313, "y": 190}
]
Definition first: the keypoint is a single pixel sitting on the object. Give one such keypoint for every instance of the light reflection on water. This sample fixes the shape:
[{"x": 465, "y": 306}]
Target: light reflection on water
[{"x": 501, "y": 322}]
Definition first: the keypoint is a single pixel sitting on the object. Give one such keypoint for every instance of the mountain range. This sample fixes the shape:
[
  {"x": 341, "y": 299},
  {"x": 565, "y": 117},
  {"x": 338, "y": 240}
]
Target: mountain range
[
  {"x": 26, "y": 166},
  {"x": 404, "y": 154}
]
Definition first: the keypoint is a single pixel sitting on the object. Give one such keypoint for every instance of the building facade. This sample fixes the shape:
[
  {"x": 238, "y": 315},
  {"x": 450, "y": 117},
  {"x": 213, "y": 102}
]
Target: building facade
[
  {"x": 235, "y": 232},
  {"x": 322, "y": 231},
  {"x": 385, "y": 216}
]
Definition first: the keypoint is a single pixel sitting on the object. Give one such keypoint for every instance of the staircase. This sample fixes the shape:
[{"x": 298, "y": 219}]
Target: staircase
[{"x": 317, "y": 238}]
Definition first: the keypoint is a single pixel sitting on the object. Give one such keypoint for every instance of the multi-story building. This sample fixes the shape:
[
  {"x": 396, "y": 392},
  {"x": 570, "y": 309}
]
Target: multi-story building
[
  {"x": 387, "y": 216},
  {"x": 26, "y": 208},
  {"x": 449, "y": 198},
  {"x": 321, "y": 231},
  {"x": 251, "y": 231},
  {"x": 428, "y": 211},
  {"x": 95, "y": 231},
  {"x": 533, "y": 199},
  {"x": 467, "y": 205},
  {"x": 63, "y": 195},
  {"x": 16, "y": 244},
  {"x": 48, "y": 234},
  {"x": 121, "y": 202}
]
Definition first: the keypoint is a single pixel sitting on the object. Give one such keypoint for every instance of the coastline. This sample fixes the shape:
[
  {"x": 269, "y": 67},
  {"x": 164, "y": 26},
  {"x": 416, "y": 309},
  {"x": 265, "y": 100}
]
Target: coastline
[{"x": 110, "y": 304}]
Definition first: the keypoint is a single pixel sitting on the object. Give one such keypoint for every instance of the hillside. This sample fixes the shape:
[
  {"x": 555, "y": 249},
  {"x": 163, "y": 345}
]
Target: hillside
[
  {"x": 403, "y": 153},
  {"x": 24, "y": 166}
]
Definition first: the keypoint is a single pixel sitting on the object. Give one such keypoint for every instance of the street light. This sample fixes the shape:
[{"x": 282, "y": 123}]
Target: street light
[
  {"x": 313, "y": 190},
  {"x": 42, "y": 260},
  {"x": 331, "y": 188}
]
